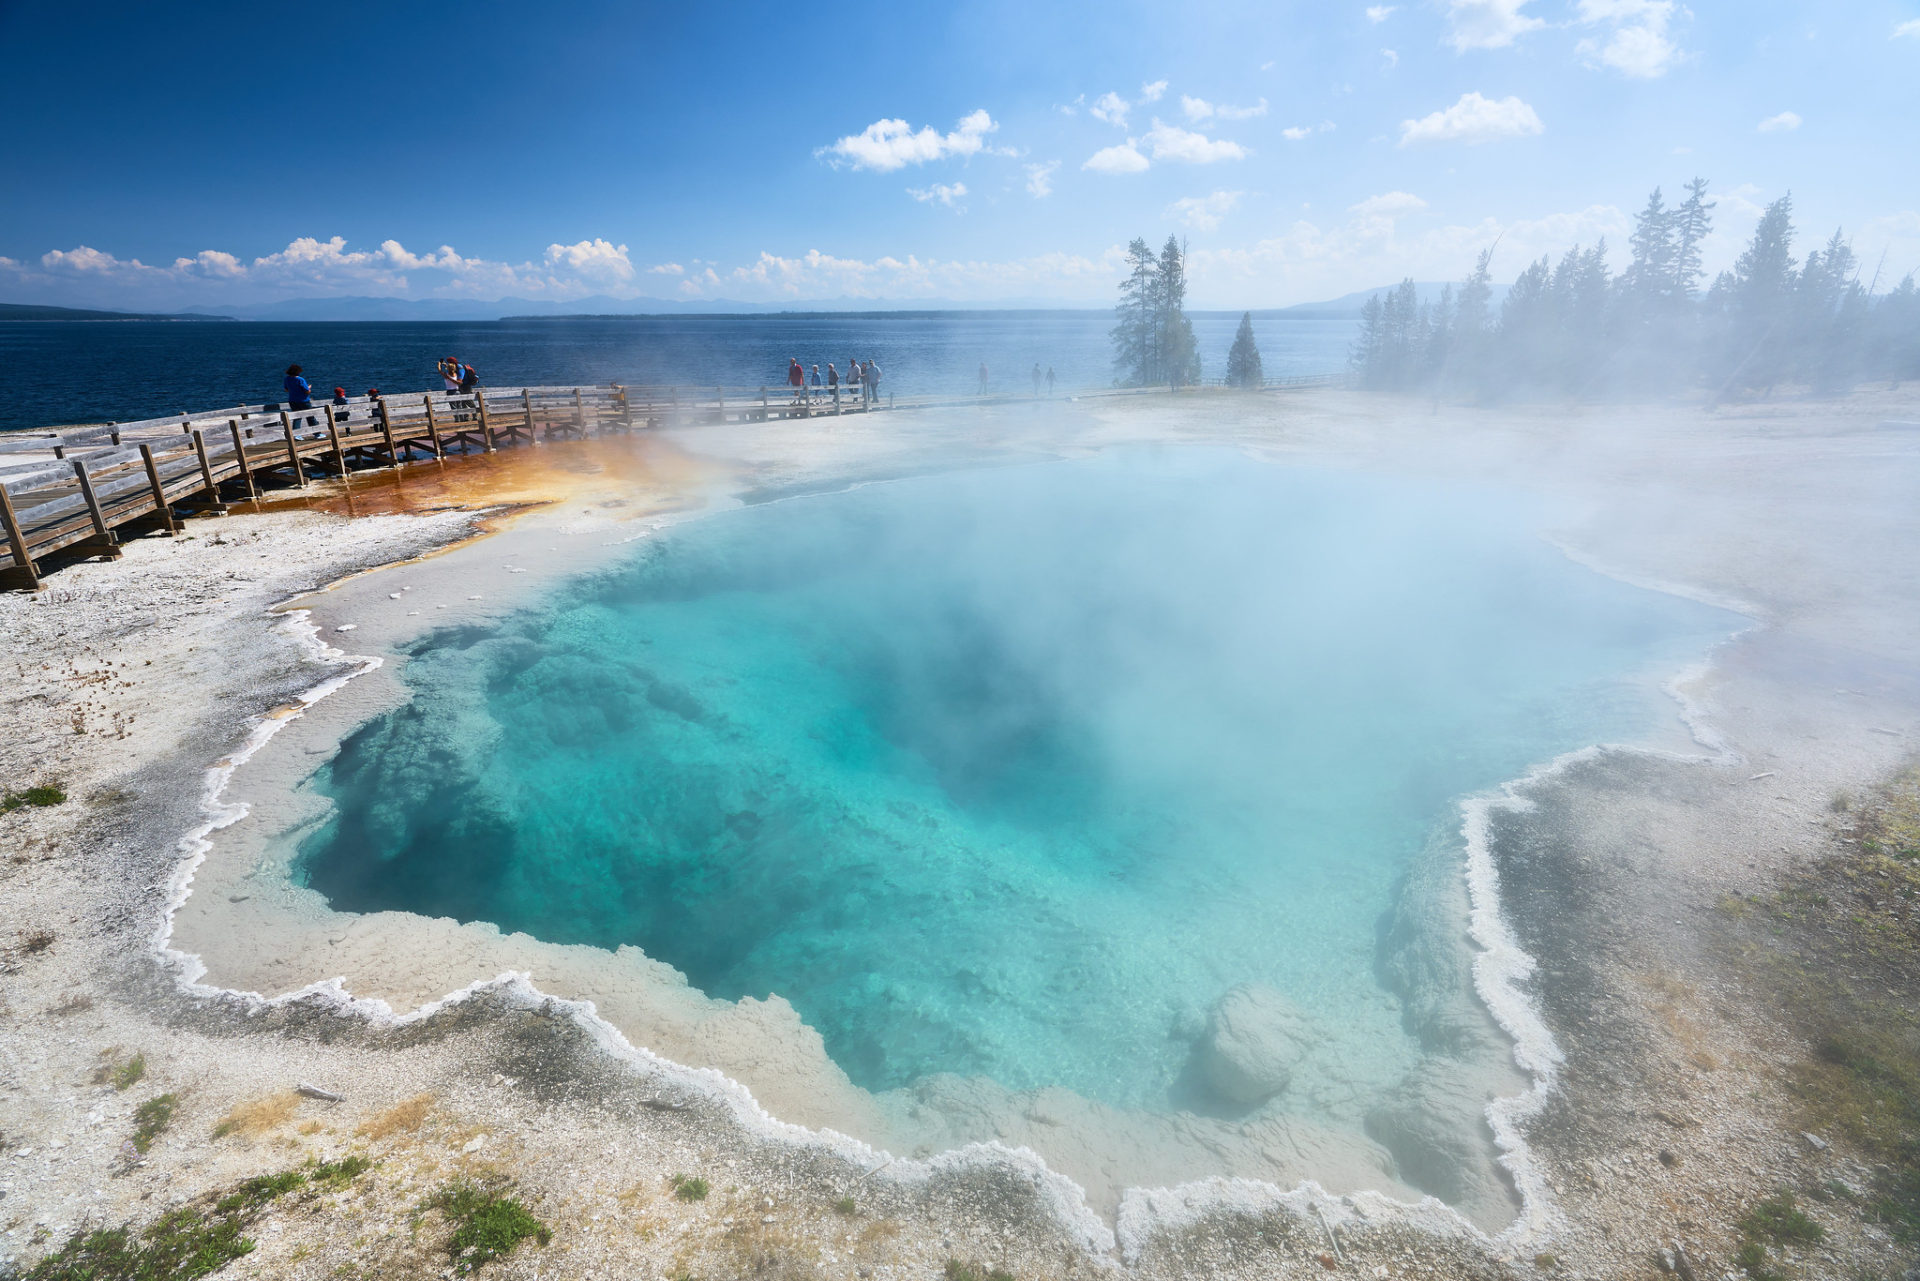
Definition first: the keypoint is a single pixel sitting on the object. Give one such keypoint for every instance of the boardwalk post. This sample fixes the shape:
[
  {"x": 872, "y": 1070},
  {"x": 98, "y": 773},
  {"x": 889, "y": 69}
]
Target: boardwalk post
[
  {"x": 626, "y": 411},
  {"x": 240, "y": 457},
  {"x": 486, "y": 423},
  {"x": 293, "y": 450},
  {"x": 206, "y": 472},
  {"x": 836, "y": 398},
  {"x": 579, "y": 416},
  {"x": 763, "y": 404},
  {"x": 386, "y": 430},
  {"x": 526, "y": 405},
  {"x": 17, "y": 540},
  {"x": 160, "y": 508},
  {"x": 433, "y": 427},
  {"x": 333, "y": 435},
  {"x": 103, "y": 535}
]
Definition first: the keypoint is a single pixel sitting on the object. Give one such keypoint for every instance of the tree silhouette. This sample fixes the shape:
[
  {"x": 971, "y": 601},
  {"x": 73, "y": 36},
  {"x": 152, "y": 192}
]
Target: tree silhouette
[{"x": 1243, "y": 358}]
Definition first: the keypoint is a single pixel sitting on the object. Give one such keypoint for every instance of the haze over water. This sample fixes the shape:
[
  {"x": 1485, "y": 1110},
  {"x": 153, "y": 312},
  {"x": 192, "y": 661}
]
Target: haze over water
[
  {"x": 1011, "y": 772},
  {"x": 71, "y": 371}
]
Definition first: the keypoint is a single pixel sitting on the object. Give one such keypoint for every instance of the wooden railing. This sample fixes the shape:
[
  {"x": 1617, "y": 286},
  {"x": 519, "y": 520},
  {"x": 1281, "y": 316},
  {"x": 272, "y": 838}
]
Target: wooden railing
[{"x": 72, "y": 490}]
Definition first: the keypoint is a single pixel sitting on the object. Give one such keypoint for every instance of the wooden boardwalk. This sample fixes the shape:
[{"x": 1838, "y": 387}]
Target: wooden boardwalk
[{"x": 74, "y": 491}]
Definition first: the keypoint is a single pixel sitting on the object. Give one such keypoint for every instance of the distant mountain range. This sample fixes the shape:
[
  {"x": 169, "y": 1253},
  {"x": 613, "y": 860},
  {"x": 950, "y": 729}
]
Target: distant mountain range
[
  {"x": 32, "y": 311},
  {"x": 445, "y": 309}
]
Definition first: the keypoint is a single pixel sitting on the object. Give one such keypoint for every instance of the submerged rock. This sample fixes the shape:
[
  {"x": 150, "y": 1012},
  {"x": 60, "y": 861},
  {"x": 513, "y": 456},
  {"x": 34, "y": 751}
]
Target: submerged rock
[{"x": 1253, "y": 1041}]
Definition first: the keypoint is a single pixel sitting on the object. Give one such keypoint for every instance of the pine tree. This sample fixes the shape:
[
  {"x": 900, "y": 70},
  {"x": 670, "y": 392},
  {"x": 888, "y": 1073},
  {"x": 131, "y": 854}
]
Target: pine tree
[
  {"x": 1179, "y": 353},
  {"x": 1133, "y": 335},
  {"x": 1692, "y": 221},
  {"x": 1649, "y": 277},
  {"x": 1243, "y": 358},
  {"x": 1366, "y": 357},
  {"x": 1759, "y": 300}
]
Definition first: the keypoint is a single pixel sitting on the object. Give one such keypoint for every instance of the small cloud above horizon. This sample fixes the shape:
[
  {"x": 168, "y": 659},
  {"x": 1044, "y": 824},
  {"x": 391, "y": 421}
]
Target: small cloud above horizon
[
  {"x": 1472, "y": 120},
  {"x": 1203, "y": 213},
  {"x": 1379, "y": 13},
  {"x": 1786, "y": 122},
  {"x": 886, "y": 145},
  {"x": 941, "y": 193},
  {"x": 1488, "y": 24}
]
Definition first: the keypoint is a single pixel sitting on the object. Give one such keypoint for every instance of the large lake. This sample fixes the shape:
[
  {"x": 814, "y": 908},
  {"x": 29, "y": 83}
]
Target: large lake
[{"x": 119, "y": 371}]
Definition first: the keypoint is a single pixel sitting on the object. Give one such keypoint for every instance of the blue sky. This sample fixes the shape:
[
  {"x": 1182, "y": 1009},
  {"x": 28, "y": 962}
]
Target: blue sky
[{"x": 171, "y": 155}]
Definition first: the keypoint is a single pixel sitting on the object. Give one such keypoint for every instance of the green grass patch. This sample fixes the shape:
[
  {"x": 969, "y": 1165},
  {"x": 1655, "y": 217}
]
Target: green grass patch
[
  {"x": 1778, "y": 1221},
  {"x": 689, "y": 1188},
  {"x": 127, "y": 1073},
  {"x": 847, "y": 1206},
  {"x": 185, "y": 1243},
  {"x": 151, "y": 1119},
  {"x": 487, "y": 1224},
  {"x": 257, "y": 1191},
  {"x": 958, "y": 1271},
  {"x": 35, "y": 797},
  {"x": 329, "y": 1175}
]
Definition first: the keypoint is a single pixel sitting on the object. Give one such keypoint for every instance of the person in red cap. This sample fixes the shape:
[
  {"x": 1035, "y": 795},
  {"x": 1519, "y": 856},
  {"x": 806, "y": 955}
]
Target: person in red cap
[{"x": 796, "y": 378}]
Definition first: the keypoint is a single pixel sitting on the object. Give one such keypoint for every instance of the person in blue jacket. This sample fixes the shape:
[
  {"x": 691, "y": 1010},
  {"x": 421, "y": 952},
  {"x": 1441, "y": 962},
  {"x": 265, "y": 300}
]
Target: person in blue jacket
[{"x": 299, "y": 394}]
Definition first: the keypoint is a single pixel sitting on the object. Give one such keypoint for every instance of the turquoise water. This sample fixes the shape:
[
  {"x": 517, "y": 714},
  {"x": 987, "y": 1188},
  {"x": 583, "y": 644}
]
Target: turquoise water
[{"x": 1009, "y": 772}]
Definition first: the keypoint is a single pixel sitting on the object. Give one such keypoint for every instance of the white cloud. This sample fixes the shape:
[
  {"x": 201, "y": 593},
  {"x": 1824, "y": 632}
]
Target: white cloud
[
  {"x": 592, "y": 260},
  {"x": 887, "y": 145},
  {"x": 311, "y": 267},
  {"x": 1908, "y": 28},
  {"x": 1040, "y": 179},
  {"x": 1379, "y": 13},
  {"x": 1152, "y": 92},
  {"x": 1393, "y": 59},
  {"x": 1473, "y": 119},
  {"x": 1786, "y": 120},
  {"x": 1203, "y": 213},
  {"x": 667, "y": 269},
  {"x": 1201, "y": 109},
  {"x": 1294, "y": 133},
  {"x": 1488, "y": 24},
  {"x": 940, "y": 193},
  {"x": 1639, "y": 45},
  {"x": 1389, "y": 204},
  {"x": 1112, "y": 108},
  {"x": 1171, "y": 142},
  {"x": 213, "y": 264},
  {"x": 1124, "y": 158}
]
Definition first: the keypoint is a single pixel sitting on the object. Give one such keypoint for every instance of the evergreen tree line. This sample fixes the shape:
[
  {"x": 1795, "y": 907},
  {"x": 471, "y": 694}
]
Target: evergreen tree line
[
  {"x": 1574, "y": 328},
  {"x": 1152, "y": 337}
]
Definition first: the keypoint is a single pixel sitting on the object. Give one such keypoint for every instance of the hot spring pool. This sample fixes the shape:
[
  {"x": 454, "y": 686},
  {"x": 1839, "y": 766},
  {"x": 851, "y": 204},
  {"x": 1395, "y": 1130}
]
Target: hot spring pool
[{"x": 1009, "y": 773}]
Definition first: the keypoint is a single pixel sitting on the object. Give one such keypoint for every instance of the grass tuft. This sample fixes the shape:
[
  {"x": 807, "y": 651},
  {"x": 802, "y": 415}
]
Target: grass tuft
[
  {"x": 151, "y": 1119},
  {"x": 958, "y": 1271},
  {"x": 180, "y": 1245},
  {"x": 487, "y": 1224},
  {"x": 33, "y": 796},
  {"x": 1780, "y": 1222},
  {"x": 407, "y": 1115},
  {"x": 846, "y": 1206},
  {"x": 688, "y": 1188},
  {"x": 329, "y": 1175},
  {"x": 258, "y": 1116},
  {"x": 125, "y": 1075}
]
